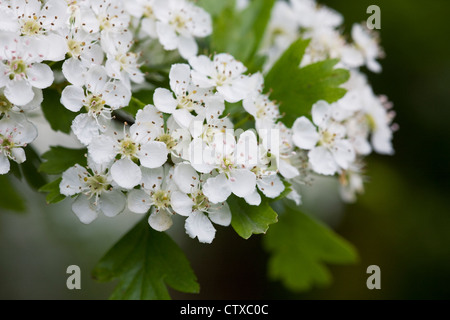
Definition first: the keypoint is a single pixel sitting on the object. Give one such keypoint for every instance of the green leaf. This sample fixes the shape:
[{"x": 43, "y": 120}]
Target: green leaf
[
  {"x": 10, "y": 199},
  {"x": 240, "y": 32},
  {"x": 214, "y": 7},
  {"x": 59, "y": 159},
  {"x": 301, "y": 247},
  {"x": 297, "y": 89},
  {"x": 248, "y": 220},
  {"x": 145, "y": 262},
  {"x": 59, "y": 118},
  {"x": 30, "y": 169},
  {"x": 52, "y": 188}
]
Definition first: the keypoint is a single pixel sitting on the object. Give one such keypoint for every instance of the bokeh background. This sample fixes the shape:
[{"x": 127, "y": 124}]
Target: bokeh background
[{"x": 401, "y": 224}]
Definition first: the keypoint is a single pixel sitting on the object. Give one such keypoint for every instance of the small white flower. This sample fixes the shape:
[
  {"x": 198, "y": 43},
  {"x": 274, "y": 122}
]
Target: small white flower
[
  {"x": 191, "y": 202},
  {"x": 367, "y": 43},
  {"x": 188, "y": 98},
  {"x": 144, "y": 9},
  {"x": 224, "y": 73},
  {"x": 179, "y": 22},
  {"x": 21, "y": 70},
  {"x": 329, "y": 148},
  {"x": 94, "y": 191},
  {"x": 15, "y": 133}
]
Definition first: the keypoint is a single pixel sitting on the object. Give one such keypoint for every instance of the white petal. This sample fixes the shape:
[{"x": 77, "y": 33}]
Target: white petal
[
  {"x": 40, "y": 75},
  {"x": 198, "y": 225},
  {"x": 343, "y": 153},
  {"x": 102, "y": 149},
  {"x": 153, "y": 154},
  {"x": 287, "y": 170},
  {"x": 4, "y": 164},
  {"x": 187, "y": 47},
  {"x": 72, "y": 98},
  {"x": 217, "y": 189},
  {"x": 139, "y": 201},
  {"x": 152, "y": 178},
  {"x": 180, "y": 77},
  {"x": 242, "y": 182},
  {"x": 85, "y": 128},
  {"x": 236, "y": 91},
  {"x": 254, "y": 199},
  {"x": 321, "y": 112},
  {"x": 112, "y": 203},
  {"x": 18, "y": 155},
  {"x": 116, "y": 95},
  {"x": 19, "y": 92},
  {"x": 167, "y": 36},
  {"x": 74, "y": 71},
  {"x": 181, "y": 203},
  {"x": 305, "y": 134},
  {"x": 186, "y": 178},
  {"x": 126, "y": 173},
  {"x": 271, "y": 186},
  {"x": 164, "y": 101},
  {"x": 183, "y": 118},
  {"x": 53, "y": 47},
  {"x": 322, "y": 161},
  {"x": 220, "y": 214},
  {"x": 160, "y": 220},
  {"x": 84, "y": 209},
  {"x": 72, "y": 183}
]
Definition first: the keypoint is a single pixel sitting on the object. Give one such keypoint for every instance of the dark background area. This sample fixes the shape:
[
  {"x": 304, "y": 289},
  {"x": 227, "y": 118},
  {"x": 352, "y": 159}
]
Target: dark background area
[{"x": 401, "y": 224}]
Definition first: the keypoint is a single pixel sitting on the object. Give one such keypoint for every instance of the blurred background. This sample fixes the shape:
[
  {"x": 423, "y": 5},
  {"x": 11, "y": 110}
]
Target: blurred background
[{"x": 401, "y": 224}]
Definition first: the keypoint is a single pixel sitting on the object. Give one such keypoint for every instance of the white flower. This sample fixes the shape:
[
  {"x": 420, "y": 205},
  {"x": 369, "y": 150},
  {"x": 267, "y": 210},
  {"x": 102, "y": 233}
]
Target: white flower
[
  {"x": 137, "y": 146},
  {"x": 191, "y": 202},
  {"x": 157, "y": 187},
  {"x": 351, "y": 183},
  {"x": 329, "y": 148},
  {"x": 312, "y": 16},
  {"x": 188, "y": 98},
  {"x": 224, "y": 73},
  {"x": 94, "y": 191},
  {"x": 233, "y": 163},
  {"x": 179, "y": 22},
  {"x": 15, "y": 133},
  {"x": 121, "y": 63},
  {"x": 21, "y": 70},
  {"x": 6, "y": 107},
  {"x": 39, "y": 24},
  {"x": 83, "y": 46},
  {"x": 144, "y": 9},
  {"x": 367, "y": 43},
  {"x": 100, "y": 98}
]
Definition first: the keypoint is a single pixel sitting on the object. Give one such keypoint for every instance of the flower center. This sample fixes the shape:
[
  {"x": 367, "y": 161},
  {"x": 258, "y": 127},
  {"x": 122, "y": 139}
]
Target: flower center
[
  {"x": 148, "y": 11},
  {"x": 327, "y": 138},
  {"x": 105, "y": 23},
  {"x": 161, "y": 199},
  {"x": 168, "y": 140},
  {"x": 75, "y": 47},
  {"x": 5, "y": 105},
  {"x": 184, "y": 102},
  {"x": 201, "y": 202},
  {"x": 128, "y": 148},
  {"x": 97, "y": 184},
  {"x": 95, "y": 104},
  {"x": 179, "y": 22},
  {"x": 371, "y": 122},
  {"x": 17, "y": 68},
  {"x": 30, "y": 27},
  {"x": 6, "y": 143}
]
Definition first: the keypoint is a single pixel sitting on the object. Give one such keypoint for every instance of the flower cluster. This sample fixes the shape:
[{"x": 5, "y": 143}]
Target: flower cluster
[{"x": 181, "y": 155}]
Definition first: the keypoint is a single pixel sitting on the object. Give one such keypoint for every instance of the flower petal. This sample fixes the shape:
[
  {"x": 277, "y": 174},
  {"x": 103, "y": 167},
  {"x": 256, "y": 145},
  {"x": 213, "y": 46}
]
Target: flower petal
[
  {"x": 160, "y": 220},
  {"x": 305, "y": 134},
  {"x": 217, "y": 189},
  {"x": 19, "y": 92},
  {"x": 198, "y": 225},
  {"x": 153, "y": 154},
  {"x": 112, "y": 203},
  {"x": 220, "y": 214},
  {"x": 181, "y": 203},
  {"x": 139, "y": 201},
  {"x": 72, "y": 183},
  {"x": 322, "y": 161},
  {"x": 164, "y": 101},
  {"x": 186, "y": 178},
  {"x": 126, "y": 173},
  {"x": 242, "y": 182},
  {"x": 84, "y": 209},
  {"x": 40, "y": 75},
  {"x": 4, "y": 164},
  {"x": 72, "y": 98}
]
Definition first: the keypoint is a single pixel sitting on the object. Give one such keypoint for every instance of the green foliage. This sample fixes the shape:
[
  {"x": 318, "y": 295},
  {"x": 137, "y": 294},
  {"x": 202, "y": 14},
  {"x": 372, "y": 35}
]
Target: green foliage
[
  {"x": 297, "y": 89},
  {"x": 300, "y": 247},
  {"x": 10, "y": 199},
  {"x": 59, "y": 159},
  {"x": 239, "y": 32},
  {"x": 248, "y": 220},
  {"x": 145, "y": 261},
  {"x": 54, "y": 195},
  {"x": 59, "y": 118}
]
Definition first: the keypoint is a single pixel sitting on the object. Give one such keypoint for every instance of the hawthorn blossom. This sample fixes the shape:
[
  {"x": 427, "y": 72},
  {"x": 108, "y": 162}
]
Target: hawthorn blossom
[
  {"x": 367, "y": 43},
  {"x": 154, "y": 196},
  {"x": 187, "y": 98},
  {"x": 15, "y": 133},
  {"x": 191, "y": 202},
  {"x": 224, "y": 73},
  {"x": 330, "y": 151},
  {"x": 21, "y": 70},
  {"x": 95, "y": 191},
  {"x": 178, "y": 23}
]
